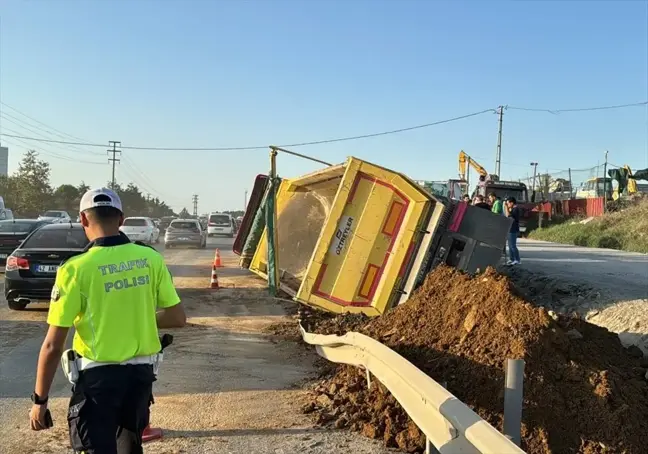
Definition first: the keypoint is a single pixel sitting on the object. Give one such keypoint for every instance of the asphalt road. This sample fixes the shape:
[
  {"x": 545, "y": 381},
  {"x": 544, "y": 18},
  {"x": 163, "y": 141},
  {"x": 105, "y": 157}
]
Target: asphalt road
[
  {"x": 224, "y": 386},
  {"x": 18, "y": 357},
  {"x": 623, "y": 274}
]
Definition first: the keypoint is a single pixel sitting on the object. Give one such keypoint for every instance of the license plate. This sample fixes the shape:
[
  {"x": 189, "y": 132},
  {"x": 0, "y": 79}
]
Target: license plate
[
  {"x": 184, "y": 238},
  {"x": 46, "y": 268},
  {"x": 3, "y": 256}
]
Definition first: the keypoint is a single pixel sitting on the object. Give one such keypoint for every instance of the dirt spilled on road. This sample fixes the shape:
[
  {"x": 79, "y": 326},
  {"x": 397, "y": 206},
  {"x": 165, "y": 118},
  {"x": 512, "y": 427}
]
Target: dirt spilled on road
[
  {"x": 584, "y": 392},
  {"x": 554, "y": 293}
]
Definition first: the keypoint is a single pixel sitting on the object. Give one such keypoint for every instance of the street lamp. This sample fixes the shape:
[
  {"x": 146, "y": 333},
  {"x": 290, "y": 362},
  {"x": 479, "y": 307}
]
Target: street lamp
[{"x": 533, "y": 185}]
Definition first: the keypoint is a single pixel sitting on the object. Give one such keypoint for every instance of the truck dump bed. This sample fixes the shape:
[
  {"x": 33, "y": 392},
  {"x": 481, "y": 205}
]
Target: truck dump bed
[{"x": 348, "y": 236}]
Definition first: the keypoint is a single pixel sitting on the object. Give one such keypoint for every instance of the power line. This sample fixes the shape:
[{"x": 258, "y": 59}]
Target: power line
[
  {"x": 582, "y": 109},
  {"x": 146, "y": 182},
  {"x": 19, "y": 123},
  {"x": 260, "y": 147},
  {"x": 140, "y": 173},
  {"x": 60, "y": 133},
  {"x": 48, "y": 152},
  {"x": 132, "y": 176},
  {"x": 80, "y": 142},
  {"x": 64, "y": 142},
  {"x": 394, "y": 131}
]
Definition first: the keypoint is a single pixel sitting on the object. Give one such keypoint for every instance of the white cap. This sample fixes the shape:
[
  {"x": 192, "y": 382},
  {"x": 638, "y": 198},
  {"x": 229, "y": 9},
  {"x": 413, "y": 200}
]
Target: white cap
[{"x": 89, "y": 199}]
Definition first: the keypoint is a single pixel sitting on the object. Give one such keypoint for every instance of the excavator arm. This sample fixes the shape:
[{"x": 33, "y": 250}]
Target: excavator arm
[
  {"x": 625, "y": 179},
  {"x": 464, "y": 161}
]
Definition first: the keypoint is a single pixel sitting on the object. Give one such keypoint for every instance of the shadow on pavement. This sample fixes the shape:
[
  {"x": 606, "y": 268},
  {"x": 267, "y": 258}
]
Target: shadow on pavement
[
  {"x": 229, "y": 302},
  {"x": 211, "y": 360},
  {"x": 189, "y": 270},
  {"x": 20, "y": 343},
  {"x": 578, "y": 273},
  {"x": 237, "y": 432},
  {"x": 36, "y": 309}
]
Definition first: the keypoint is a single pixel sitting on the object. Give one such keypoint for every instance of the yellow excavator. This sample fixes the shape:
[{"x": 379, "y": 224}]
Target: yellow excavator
[
  {"x": 464, "y": 162},
  {"x": 630, "y": 182},
  {"x": 489, "y": 182},
  {"x": 456, "y": 189}
]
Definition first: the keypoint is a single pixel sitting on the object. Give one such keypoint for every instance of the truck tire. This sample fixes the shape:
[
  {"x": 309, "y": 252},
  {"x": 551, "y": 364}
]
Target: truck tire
[{"x": 15, "y": 305}]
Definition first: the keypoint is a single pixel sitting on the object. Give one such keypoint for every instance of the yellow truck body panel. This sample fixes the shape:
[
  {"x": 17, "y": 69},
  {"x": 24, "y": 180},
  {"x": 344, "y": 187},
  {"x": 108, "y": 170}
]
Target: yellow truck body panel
[{"x": 346, "y": 236}]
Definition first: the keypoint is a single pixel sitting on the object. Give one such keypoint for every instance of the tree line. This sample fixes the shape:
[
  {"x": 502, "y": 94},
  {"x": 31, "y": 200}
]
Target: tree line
[
  {"x": 28, "y": 193},
  {"x": 184, "y": 214}
]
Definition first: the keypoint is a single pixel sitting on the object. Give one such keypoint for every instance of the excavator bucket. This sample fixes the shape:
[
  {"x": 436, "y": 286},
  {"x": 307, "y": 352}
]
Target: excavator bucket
[{"x": 347, "y": 235}]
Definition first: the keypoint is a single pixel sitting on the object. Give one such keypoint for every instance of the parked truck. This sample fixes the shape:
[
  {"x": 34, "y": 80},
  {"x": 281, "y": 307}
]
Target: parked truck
[{"x": 357, "y": 237}]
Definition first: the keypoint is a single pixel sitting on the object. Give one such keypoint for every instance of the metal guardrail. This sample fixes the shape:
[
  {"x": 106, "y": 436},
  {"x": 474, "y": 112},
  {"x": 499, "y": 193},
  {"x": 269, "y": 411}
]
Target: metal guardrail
[{"x": 449, "y": 424}]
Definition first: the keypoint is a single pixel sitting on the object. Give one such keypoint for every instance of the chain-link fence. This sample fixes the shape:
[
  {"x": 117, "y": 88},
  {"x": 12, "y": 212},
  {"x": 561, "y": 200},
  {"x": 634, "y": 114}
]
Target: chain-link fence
[{"x": 570, "y": 183}]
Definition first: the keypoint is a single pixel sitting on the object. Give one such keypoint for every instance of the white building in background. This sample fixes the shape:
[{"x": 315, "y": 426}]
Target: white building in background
[{"x": 4, "y": 161}]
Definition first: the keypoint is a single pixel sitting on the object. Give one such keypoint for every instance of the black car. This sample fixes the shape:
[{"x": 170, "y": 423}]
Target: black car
[
  {"x": 13, "y": 232},
  {"x": 31, "y": 268}
]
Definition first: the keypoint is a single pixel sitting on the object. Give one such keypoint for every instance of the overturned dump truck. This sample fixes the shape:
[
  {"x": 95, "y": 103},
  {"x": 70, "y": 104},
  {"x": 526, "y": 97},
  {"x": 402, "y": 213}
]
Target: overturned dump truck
[{"x": 357, "y": 237}]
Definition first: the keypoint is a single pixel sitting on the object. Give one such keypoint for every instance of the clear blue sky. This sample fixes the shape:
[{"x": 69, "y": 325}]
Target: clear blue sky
[{"x": 235, "y": 73}]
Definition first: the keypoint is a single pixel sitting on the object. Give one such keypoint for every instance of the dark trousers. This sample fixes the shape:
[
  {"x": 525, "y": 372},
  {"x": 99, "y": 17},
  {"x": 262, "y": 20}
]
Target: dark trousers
[{"x": 109, "y": 409}]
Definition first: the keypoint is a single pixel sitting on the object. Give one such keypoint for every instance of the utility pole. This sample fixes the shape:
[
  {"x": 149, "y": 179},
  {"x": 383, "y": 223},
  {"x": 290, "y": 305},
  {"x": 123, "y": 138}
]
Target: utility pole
[
  {"x": 245, "y": 201},
  {"x": 195, "y": 205},
  {"x": 114, "y": 144},
  {"x": 498, "y": 156},
  {"x": 604, "y": 182},
  {"x": 535, "y": 168}
]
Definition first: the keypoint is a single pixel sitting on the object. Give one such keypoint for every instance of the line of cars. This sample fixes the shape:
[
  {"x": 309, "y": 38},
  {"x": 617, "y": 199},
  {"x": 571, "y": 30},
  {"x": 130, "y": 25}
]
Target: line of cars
[
  {"x": 221, "y": 224},
  {"x": 140, "y": 228},
  {"x": 31, "y": 250},
  {"x": 39, "y": 247}
]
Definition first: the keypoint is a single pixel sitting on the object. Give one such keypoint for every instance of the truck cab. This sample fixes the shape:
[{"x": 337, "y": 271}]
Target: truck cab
[
  {"x": 451, "y": 189},
  {"x": 505, "y": 189},
  {"x": 595, "y": 187}
]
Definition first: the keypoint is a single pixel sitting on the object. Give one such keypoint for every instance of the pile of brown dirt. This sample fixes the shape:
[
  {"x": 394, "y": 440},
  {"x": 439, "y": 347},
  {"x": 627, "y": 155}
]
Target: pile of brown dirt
[
  {"x": 584, "y": 392},
  {"x": 317, "y": 321}
]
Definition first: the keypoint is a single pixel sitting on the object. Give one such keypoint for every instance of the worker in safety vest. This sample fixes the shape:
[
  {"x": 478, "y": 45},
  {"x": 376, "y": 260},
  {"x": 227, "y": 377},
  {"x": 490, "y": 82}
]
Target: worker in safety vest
[{"x": 109, "y": 294}]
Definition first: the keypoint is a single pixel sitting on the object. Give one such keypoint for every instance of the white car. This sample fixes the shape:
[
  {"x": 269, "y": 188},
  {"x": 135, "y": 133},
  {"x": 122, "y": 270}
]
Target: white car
[
  {"x": 55, "y": 217},
  {"x": 141, "y": 229},
  {"x": 220, "y": 224}
]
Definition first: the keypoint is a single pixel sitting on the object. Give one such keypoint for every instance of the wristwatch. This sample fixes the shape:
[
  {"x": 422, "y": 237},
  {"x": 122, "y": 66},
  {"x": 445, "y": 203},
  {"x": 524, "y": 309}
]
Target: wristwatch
[{"x": 35, "y": 398}]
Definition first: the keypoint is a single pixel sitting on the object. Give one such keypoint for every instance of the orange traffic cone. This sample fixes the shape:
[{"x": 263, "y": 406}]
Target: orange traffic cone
[
  {"x": 217, "y": 259},
  {"x": 214, "y": 279},
  {"x": 151, "y": 434}
]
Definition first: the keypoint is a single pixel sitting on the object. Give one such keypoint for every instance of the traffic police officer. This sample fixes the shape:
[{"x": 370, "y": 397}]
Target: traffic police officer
[{"x": 111, "y": 294}]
